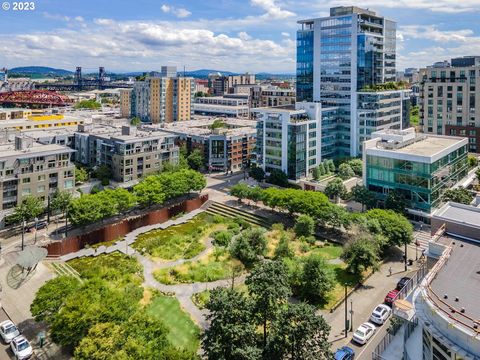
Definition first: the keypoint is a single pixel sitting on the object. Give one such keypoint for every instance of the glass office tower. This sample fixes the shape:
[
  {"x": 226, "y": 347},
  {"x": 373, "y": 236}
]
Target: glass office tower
[{"x": 338, "y": 56}]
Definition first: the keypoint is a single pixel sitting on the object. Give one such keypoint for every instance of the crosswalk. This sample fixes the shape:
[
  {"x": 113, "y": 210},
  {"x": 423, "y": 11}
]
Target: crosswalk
[{"x": 421, "y": 238}]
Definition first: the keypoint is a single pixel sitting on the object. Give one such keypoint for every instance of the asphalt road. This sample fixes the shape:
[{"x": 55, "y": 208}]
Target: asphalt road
[{"x": 5, "y": 351}]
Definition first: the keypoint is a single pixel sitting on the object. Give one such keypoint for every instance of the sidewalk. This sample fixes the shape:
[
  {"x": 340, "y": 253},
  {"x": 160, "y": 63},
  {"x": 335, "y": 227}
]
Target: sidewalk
[{"x": 364, "y": 300}]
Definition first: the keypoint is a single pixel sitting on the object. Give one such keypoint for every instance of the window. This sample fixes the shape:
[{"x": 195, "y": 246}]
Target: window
[
  {"x": 26, "y": 192},
  {"x": 41, "y": 177},
  {"x": 41, "y": 188},
  {"x": 26, "y": 181}
]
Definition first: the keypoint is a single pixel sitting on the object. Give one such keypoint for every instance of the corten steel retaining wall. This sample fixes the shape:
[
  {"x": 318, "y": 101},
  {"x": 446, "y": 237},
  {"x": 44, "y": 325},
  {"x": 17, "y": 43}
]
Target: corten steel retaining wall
[{"x": 119, "y": 229}]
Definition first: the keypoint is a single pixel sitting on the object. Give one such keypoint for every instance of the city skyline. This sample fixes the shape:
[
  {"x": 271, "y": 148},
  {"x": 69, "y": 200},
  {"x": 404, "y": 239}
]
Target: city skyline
[{"x": 258, "y": 36}]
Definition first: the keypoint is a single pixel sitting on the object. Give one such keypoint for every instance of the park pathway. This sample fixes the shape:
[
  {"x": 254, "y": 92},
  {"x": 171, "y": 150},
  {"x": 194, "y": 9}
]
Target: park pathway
[{"x": 183, "y": 292}]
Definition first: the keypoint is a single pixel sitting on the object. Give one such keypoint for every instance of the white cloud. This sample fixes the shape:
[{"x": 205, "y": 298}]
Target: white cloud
[
  {"x": 145, "y": 45},
  {"x": 178, "y": 12},
  {"x": 431, "y": 32},
  {"x": 286, "y": 34},
  {"x": 273, "y": 10},
  {"x": 445, "y": 6}
]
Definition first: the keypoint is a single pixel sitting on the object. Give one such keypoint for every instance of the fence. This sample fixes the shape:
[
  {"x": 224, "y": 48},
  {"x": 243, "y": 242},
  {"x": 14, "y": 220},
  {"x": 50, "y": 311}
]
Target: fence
[
  {"x": 121, "y": 228},
  {"x": 416, "y": 279}
]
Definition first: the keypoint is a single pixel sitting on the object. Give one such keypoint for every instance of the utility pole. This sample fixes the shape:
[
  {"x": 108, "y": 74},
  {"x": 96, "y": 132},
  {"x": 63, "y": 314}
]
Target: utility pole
[
  {"x": 23, "y": 233},
  {"x": 351, "y": 315},
  {"x": 66, "y": 223},
  {"x": 406, "y": 268},
  {"x": 48, "y": 208},
  {"x": 346, "y": 312}
]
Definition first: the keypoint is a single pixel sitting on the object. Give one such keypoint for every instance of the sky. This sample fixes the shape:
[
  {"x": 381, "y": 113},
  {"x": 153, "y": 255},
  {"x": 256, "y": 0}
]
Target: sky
[{"x": 230, "y": 35}]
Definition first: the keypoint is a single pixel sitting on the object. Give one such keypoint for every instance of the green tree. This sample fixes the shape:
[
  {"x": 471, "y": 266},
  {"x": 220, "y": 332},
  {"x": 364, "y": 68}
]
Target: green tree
[
  {"x": 103, "y": 173},
  {"x": 458, "y": 195},
  {"x": 196, "y": 159},
  {"x": 317, "y": 279},
  {"x": 396, "y": 201},
  {"x": 122, "y": 199},
  {"x": 81, "y": 175},
  {"x": 51, "y": 296},
  {"x": 345, "y": 172},
  {"x": 89, "y": 209},
  {"x": 248, "y": 246},
  {"x": 218, "y": 124},
  {"x": 321, "y": 169},
  {"x": 231, "y": 334},
  {"x": 360, "y": 255},
  {"x": 356, "y": 165},
  {"x": 91, "y": 104},
  {"x": 240, "y": 191},
  {"x": 316, "y": 174},
  {"x": 477, "y": 174},
  {"x": 149, "y": 191},
  {"x": 330, "y": 165},
  {"x": 299, "y": 333},
  {"x": 269, "y": 289},
  {"x": 472, "y": 161},
  {"x": 135, "y": 121},
  {"x": 257, "y": 173},
  {"x": 61, "y": 200},
  {"x": 278, "y": 177},
  {"x": 335, "y": 189},
  {"x": 30, "y": 208},
  {"x": 363, "y": 196},
  {"x": 283, "y": 249},
  {"x": 394, "y": 226},
  {"x": 304, "y": 226}
]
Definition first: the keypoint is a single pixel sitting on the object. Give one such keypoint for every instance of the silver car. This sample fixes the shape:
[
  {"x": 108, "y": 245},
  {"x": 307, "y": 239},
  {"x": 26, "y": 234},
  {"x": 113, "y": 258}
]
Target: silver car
[{"x": 380, "y": 314}]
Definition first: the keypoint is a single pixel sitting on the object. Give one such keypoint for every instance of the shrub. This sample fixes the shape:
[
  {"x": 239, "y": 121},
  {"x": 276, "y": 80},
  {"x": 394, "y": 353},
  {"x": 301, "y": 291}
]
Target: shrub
[
  {"x": 305, "y": 226},
  {"x": 222, "y": 237}
]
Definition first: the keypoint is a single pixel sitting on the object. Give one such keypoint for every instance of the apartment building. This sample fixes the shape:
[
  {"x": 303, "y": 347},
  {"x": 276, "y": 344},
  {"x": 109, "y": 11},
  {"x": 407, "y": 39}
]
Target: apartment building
[
  {"x": 29, "y": 168},
  {"x": 276, "y": 96},
  {"x": 227, "y": 148},
  {"x": 339, "y": 55},
  {"x": 126, "y": 102},
  {"x": 162, "y": 99},
  {"x": 381, "y": 110},
  {"x": 222, "y": 84},
  {"x": 289, "y": 138},
  {"x": 131, "y": 153},
  {"x": 448, "y": 99},
  {"x": 418, "y": 166}
]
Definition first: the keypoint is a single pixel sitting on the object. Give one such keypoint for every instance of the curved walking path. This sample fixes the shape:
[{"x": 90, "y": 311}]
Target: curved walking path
[{"x": 183, "y": 292}]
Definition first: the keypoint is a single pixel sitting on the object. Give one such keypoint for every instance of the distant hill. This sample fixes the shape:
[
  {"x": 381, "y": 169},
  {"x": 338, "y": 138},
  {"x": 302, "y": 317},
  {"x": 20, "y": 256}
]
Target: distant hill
[
  {"x": 205, "y": 72},
  {"x": 39, "y": 70}
]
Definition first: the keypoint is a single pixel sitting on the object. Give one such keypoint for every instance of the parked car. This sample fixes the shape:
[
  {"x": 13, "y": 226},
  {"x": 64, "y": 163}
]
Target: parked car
[
  {"x": 345, "y": 353},
  {"x": 42, "y": 224},
  {"x": 8, "y": 331},
  {"x": 364, "y": 333},
  {"x": 21, "y": 348},
  {"x": 402, "y": 282},
  {"x": 390, "y": 298},
  {"x": 380, "y": 314}
]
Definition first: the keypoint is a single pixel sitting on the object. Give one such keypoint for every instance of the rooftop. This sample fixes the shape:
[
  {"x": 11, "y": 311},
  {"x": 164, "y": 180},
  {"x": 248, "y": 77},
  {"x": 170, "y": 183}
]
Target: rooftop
[
  {"x": 465, "y": 214},
  {"x": 8, "y": 150},
  {"x": 455, "y": 279}
]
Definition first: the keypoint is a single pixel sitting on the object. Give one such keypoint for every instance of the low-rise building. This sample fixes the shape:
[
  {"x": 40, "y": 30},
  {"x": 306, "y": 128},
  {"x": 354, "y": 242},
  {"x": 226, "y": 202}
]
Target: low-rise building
[
  {"x": 229, "y": 147},
  {"x": 131, "y": 153},
  {"x": 222, "y": 106},
  {"x": 419, "y": 167},
  {"x": 29, "y": 168}
]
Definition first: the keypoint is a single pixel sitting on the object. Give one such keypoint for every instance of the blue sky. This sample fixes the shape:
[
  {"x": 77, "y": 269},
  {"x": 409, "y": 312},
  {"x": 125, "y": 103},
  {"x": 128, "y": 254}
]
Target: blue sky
[{"x": 235, "y": 35}]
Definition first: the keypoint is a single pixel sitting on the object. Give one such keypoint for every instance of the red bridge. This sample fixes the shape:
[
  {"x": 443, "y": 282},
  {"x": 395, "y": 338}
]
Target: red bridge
[{"x": 35, "y": 97}]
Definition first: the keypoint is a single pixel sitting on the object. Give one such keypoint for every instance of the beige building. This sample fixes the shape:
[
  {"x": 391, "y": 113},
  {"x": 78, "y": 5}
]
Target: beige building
[
  {"x": 163, "y": 99},
  {"x": 276, "y": 96},
  {"x": 449, "y": 103},
  {"x": 131, "y": 153},
  {"x": 125, "y": 102},
  {"x": 245, "y": 79},
  {"x": 28, "y": 168}
]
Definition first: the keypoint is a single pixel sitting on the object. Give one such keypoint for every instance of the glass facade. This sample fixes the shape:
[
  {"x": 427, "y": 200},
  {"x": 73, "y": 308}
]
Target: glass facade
[
  {"x": 422, "y": 184},
  {"x": 305, "y": 65}
]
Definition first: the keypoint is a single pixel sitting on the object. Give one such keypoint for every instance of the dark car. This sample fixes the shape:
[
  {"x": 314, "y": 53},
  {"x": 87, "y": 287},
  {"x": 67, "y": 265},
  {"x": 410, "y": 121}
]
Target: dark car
[
  {"x": 42, "y": 224},
  {"x": 391, "y": 297},
  {"x": 345, "y": 353},
  {"x": 402, "y": 282}
]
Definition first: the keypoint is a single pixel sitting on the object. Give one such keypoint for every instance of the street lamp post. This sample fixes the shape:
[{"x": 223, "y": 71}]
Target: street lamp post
[
  {"x": 346, "y": 312},
  {"x": 35, "y": 236},
  {"x": 23, "y": 233},
  {"x": 416, "y": 249},
  {"x": 406, "y": 257},
  {"x": 351, "y": 315},
  {"x": 48, "y": 208},
  {"x": 66, "y": 222}
]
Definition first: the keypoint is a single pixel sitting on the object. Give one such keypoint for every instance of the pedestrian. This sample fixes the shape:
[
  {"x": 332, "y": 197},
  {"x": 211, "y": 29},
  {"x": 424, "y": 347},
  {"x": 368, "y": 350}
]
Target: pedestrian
[{"x": 390, "y": 271}]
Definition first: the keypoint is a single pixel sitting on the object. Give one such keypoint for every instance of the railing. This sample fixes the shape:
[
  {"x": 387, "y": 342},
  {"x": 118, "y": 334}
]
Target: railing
[{"x": 385, "y": 342}]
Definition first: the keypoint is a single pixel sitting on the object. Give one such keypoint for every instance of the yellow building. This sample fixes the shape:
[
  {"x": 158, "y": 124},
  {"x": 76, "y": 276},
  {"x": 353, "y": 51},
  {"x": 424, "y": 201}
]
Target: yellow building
[
  {"x": 125, "y": 102},
  {"x": 163, "y": 99}
]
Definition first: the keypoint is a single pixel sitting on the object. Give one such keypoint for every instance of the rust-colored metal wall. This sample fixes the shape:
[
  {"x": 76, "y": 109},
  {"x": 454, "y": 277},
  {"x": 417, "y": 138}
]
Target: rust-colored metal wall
[{"x": 113, "y": 231}]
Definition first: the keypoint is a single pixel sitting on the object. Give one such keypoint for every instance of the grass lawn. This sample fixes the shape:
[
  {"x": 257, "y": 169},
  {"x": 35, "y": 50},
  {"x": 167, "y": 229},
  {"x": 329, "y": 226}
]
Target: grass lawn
[
  {"x": 182, "y": 241},
  {"x": 183, "y": 332},
  {"x": 215, "y": 266},
  {"x": 342, "y": 277}
]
